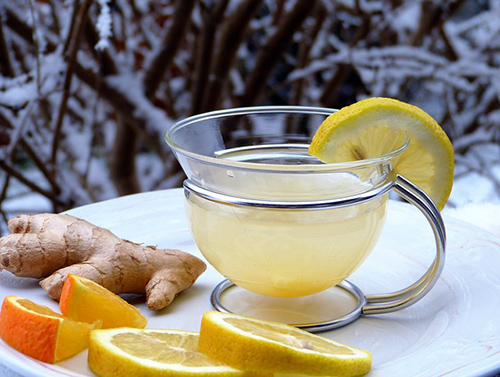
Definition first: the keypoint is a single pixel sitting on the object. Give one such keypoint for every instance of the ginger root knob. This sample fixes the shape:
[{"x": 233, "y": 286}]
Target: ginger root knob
[{"x": 51, "y": 246}]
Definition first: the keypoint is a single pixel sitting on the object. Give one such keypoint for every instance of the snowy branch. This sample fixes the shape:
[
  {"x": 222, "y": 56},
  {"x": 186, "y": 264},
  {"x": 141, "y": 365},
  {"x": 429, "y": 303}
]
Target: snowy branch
[{"x": 87, "y": 88}]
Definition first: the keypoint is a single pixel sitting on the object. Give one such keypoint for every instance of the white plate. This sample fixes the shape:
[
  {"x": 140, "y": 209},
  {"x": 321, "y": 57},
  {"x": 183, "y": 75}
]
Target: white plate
[{"x": 453, "y": 331}]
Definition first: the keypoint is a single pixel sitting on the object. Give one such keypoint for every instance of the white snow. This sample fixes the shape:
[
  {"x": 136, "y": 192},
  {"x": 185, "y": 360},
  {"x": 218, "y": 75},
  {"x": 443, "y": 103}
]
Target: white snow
[
  {"x": 103, "y": 25},
  {"x": 131, "y": 87},
  {"x": 481, "y": 214},
  {"x": 408, "y": 16},
  {"x": 473, "y": 188},
  {"x": 18, "y": 96}
]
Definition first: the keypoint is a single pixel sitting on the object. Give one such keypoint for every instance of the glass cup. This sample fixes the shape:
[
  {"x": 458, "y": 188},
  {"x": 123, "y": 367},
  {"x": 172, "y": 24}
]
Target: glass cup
[{"x": 278, "y": 222}]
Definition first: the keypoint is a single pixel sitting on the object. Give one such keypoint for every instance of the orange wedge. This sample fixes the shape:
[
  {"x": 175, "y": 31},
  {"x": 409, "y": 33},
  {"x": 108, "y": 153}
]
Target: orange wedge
[
  {"x": 41, "y": 333},
  {"x": 86, "y": 301}
]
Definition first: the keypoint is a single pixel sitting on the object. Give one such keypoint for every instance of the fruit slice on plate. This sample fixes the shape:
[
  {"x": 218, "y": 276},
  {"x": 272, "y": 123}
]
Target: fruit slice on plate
[
  {"x": 39, "y": 332},
  {"x": 152, "y": 352},
  {"x": 265, "y": 346},
  {"x": 86, "y": 301},
  {"x": 377, "y": 126}
]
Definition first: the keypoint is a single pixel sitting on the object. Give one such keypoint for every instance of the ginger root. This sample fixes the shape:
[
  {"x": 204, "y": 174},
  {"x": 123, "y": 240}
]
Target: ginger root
[{"x": 52, "y": 246}]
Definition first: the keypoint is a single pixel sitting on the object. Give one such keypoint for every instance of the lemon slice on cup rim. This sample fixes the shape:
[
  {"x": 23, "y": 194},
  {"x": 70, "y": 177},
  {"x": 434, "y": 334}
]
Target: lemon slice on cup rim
[{"x": 375, "y": 127}]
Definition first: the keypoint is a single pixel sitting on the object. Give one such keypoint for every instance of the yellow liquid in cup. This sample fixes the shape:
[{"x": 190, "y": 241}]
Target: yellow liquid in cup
[{"x": 285, "y": 253}]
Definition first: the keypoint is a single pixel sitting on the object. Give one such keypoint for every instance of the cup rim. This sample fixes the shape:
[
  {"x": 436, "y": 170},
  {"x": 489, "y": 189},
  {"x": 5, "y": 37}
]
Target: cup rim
[{"x": 286, "y": 109}]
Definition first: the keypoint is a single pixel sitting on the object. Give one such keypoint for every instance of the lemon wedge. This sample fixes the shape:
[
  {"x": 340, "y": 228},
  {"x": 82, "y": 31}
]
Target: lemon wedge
[
  {"x": 265, "y": 346},
  {"x": 377, "y": 126},
  {"x": 152, "y": 352}
]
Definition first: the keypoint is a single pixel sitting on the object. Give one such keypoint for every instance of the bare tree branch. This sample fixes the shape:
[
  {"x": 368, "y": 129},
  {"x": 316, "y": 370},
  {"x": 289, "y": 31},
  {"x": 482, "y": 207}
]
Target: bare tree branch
[
  {"x": 106, "y": 62},
  {"x": 204, "y": 55},
  {"x": 13, "y": 22},
  {"x": 271, "y": 52},
  {"x": 232, "y": 35},
  {"x": 122, "y": 155},
  {"x": 280, "y": 7},
  {"x": 122, "y": 160},
  {"x": 25, "y": 181},
  {"x": 305, "y": 47},
  {"x": 6, "y": 68},
  {"x": 116, "y": 99},
  {"x": 42, "y": 166},
  {"x": 72, "y": 24},
  {"x": 432, "y": 16},
  {"x": 122, "y": 105},
  {"x": 332, "y": 88},
  {"x": 171, "y": 42},
  {"x": 37, "y": 45},
  {"x": 71, "y": 60},
  {"x": 3, "y": 195},
  {"x": 53, "y": 12}
]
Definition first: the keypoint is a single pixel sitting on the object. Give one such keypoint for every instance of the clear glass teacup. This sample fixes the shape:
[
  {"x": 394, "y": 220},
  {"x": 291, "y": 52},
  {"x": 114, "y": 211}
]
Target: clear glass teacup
[{"x": 278, "y": 222}]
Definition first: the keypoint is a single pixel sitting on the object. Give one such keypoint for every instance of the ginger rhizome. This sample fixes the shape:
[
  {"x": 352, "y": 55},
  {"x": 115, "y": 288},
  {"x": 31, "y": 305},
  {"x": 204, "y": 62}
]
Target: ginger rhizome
[{"x": 51, "y": 246}]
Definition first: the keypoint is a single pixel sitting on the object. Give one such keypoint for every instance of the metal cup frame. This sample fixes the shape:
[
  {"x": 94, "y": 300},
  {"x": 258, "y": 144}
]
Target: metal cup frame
[{"x": 366, "y": 304}]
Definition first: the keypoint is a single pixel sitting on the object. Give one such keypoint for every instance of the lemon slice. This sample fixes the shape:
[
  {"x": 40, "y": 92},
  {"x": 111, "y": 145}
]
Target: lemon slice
[
  {"x": 265, "y": 346},
  {"x": 377, "y": 126},
  {"x": 152, "y": 352}
]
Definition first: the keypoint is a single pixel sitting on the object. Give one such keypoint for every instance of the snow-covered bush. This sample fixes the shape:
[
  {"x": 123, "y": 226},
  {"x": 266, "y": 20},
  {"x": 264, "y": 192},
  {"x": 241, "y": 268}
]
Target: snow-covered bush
[{"x": 87, "y": 88}]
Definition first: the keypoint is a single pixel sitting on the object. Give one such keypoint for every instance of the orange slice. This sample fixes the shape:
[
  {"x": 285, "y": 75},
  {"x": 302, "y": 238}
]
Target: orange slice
[
  {"x": 86, "y": 301},
  {"x": 41, "y": 333}
]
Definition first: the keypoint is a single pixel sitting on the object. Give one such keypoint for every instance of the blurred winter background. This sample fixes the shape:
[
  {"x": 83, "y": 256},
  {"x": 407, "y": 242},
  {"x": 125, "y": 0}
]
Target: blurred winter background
[{"x": 87, "y": 88}]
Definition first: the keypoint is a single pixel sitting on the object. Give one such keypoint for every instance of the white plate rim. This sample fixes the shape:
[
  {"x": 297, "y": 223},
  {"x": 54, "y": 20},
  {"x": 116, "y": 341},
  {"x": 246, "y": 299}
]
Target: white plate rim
[{"x": 30, "y": 367}]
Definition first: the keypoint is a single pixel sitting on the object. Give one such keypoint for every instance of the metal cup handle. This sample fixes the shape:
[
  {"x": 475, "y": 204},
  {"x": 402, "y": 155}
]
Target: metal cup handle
[{"x": 390, "y": 302}]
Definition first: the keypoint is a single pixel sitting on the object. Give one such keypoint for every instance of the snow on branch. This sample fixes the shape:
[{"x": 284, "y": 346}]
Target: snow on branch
[
  {"x": 101, "y": 86},
  {"x": 103, "y": 24}
]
